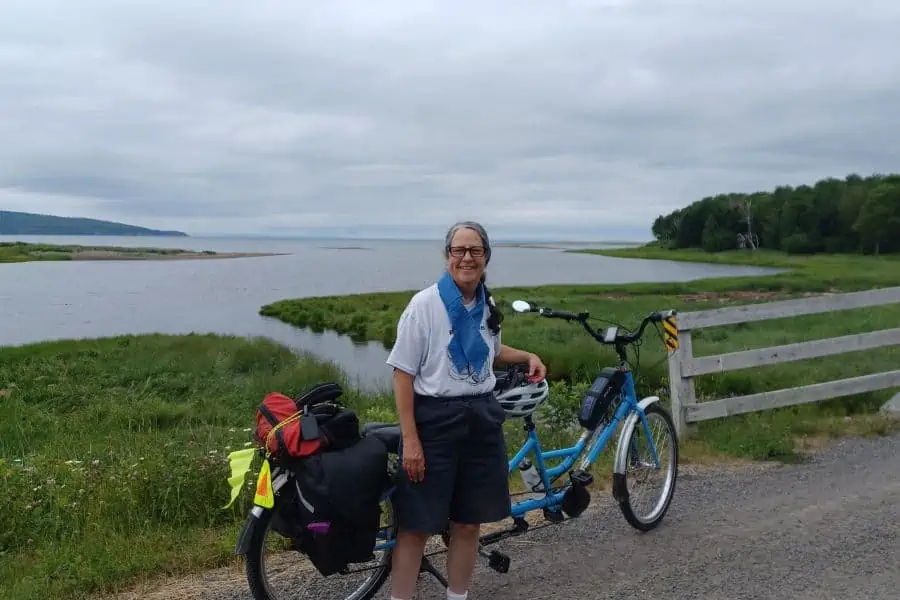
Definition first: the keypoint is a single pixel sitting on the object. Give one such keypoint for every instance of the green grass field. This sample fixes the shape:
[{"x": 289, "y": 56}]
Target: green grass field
[
  {"x": 573, "y": 358},
  {"x": 113, "y": 455}
]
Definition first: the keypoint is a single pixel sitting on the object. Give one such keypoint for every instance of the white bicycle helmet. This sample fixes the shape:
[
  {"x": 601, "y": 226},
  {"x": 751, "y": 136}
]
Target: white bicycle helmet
[{"x": 523, "y": 399}]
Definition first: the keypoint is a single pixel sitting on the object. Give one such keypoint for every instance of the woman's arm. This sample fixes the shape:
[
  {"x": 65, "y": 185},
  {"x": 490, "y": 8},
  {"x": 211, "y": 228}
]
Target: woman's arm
[
  {"x": 510, "y": 355},
  {"x": 403, "y": 396},
  {"x": 406, "y": 358},
  {"x": 536, "y": 368},
  {"x": 413, "y": 457}
]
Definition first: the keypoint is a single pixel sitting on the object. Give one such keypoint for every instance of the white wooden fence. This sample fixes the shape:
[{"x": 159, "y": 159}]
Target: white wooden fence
[{"x": 684, "y": 366}]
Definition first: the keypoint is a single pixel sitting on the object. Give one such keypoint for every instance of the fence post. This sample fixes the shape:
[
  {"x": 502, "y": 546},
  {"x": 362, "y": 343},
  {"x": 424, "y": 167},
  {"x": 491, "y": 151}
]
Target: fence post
[{"x": 681, "y": 389}]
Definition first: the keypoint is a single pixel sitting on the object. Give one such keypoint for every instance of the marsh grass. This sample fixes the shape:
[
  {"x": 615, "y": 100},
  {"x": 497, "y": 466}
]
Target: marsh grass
[
  {"x": 573, "y": 358},
  {"x": 113, "y": 455},
  {"x": 26, "y": 251},
  {"x": 11, "y": 252}
]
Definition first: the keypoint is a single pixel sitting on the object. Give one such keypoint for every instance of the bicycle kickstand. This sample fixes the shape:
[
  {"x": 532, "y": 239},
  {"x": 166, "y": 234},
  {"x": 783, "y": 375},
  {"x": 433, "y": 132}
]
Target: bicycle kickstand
[{"x": 428, "y": 567}]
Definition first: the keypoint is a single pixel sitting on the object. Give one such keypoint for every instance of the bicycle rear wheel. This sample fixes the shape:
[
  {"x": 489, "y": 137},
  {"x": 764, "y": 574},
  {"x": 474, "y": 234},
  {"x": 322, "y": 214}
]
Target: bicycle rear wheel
[
  {"x": 275, "y": 571},
  {"x": 646, "y": 513}
]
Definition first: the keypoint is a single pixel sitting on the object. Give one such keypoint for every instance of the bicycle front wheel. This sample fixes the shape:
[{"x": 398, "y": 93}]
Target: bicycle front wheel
[
  {"x": 643, "y": 508},
  {"x": 276, "y": 571}
]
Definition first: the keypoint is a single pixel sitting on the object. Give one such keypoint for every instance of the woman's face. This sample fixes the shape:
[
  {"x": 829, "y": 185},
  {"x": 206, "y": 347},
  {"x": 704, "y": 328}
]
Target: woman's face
[{"x": 465, "y": 268}]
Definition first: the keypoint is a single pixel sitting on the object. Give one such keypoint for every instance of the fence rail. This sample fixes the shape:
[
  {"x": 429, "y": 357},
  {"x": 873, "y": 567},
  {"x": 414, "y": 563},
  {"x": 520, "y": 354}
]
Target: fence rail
[{"x": 684, "y": 366}]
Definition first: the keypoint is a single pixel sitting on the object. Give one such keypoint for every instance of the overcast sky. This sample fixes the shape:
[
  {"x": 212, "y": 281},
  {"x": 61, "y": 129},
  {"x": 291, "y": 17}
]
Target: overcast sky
[{"x": 537, "y": 118}]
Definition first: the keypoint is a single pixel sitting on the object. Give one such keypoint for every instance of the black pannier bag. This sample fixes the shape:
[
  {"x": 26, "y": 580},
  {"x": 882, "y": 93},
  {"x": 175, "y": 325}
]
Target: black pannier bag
[{"x": 334, "y": 514}]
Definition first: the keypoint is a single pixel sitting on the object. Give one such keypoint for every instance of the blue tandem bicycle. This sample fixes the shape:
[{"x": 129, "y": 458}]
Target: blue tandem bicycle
[{"x": 611, "y": 401}]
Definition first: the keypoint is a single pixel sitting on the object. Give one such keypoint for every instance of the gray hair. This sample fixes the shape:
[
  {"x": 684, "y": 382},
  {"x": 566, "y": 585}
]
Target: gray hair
[{"x": 477, "y": 228}]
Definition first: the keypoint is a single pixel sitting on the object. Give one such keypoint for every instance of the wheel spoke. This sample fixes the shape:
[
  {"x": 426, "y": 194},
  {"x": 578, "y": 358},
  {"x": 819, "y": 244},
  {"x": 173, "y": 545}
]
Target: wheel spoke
[
  {"x": 277, "y": 571},
  {"x": 644, "y": 507}
]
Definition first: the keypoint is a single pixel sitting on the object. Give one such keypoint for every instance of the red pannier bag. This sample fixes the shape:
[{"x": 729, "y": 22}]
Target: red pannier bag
[
  {"x": 313, "y": 423},
  {"x": 279, "y": 427}
]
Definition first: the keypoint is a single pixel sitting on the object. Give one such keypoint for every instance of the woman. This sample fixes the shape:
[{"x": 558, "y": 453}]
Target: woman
[{"x": 454, "y": 457}]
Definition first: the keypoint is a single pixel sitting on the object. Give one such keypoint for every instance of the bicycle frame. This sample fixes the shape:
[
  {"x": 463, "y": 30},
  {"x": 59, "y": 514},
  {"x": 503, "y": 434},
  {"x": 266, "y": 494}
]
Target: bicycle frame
[
  {"x": 590, "y": 445},
  {"x": 570, "y": 498}
]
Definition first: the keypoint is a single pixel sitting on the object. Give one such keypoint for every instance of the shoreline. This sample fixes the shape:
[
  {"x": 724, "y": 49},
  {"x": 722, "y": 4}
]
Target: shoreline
[
  {"x": 186, "y": 255},
  {"x": 18, "y": 252}
]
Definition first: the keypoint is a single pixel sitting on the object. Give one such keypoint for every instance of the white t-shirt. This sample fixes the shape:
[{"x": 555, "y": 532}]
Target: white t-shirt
[{"x": 423, "y": 333}]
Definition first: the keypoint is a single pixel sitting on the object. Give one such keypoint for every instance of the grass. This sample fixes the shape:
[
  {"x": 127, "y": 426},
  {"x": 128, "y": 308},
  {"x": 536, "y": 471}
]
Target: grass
[
  {"x": 11, "y": 252},
  {"x": 25, "y": 251},
  {"x": 113, "y": 451},
  {"x": 804, "y": 273},
  {"x": 113, "y": 455},
  {"x": 573, "y": 358}
]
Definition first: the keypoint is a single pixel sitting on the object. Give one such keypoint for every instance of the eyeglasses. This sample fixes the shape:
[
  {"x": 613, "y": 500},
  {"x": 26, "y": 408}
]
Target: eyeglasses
[{"x": 460, "y": 251}]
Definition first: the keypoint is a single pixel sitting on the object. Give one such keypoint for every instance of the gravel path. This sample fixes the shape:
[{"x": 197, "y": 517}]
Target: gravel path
[{"x": 824, "y": 529}]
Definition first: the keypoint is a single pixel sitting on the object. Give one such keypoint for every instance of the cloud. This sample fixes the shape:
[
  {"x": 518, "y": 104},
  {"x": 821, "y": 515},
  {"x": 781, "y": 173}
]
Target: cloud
[{"x": 566, "y": 116}]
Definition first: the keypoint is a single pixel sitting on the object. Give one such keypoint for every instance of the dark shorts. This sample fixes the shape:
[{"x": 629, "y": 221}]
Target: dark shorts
[{"x": 466, "y": 466}]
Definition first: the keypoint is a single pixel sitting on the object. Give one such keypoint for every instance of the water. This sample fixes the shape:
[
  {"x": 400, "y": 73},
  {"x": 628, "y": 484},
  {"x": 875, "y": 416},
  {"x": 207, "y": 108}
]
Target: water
[{"x": 55, "y": 300}]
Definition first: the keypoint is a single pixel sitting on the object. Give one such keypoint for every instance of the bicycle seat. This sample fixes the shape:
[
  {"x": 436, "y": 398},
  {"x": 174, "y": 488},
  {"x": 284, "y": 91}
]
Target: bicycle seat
[{"x": 388, "y": 433}]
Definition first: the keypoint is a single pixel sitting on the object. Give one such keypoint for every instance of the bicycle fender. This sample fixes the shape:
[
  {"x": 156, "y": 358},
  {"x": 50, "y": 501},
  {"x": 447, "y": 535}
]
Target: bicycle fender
[
  {"x": 246, "y": 533},
  {"x": 630, "y": 422},
  {"x": 255, "y": 515}
]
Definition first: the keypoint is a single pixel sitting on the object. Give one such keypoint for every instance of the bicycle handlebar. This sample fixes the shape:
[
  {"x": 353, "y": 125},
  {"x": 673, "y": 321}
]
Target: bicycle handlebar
[{"x": 610, "y": 336}]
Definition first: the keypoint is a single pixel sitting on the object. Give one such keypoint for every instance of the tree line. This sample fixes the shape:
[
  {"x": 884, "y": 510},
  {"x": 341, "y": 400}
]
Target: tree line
[{"x": 853, "y": 215}]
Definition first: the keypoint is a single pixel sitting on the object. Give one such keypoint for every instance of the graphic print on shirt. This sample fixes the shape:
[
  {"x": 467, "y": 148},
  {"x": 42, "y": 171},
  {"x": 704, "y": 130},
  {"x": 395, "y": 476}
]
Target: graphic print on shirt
[{"x": 469, "y": 376}]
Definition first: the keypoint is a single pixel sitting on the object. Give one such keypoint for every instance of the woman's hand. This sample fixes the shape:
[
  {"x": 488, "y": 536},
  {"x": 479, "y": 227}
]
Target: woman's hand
[
  {"x": 536, "y": 368},
  {"x": 413, "y": 459}
]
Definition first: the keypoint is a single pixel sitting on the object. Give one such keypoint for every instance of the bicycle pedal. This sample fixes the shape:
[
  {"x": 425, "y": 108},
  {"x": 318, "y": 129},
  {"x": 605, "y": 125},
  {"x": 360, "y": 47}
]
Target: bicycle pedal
[
  {"x": 498, "y": 561},
  {"x": 582, "y": 478},
  {"x": 554, "y": 516},
  {"x": 520, "y": 526}
]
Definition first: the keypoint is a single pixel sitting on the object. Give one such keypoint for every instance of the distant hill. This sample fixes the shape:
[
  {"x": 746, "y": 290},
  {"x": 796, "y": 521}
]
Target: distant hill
[{"x": 19, "y": 223}]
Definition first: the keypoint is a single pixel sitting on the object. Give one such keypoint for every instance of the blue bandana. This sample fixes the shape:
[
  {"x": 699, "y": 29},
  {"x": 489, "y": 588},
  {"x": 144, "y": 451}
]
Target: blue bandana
[{"x": 467, "y": 348}]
